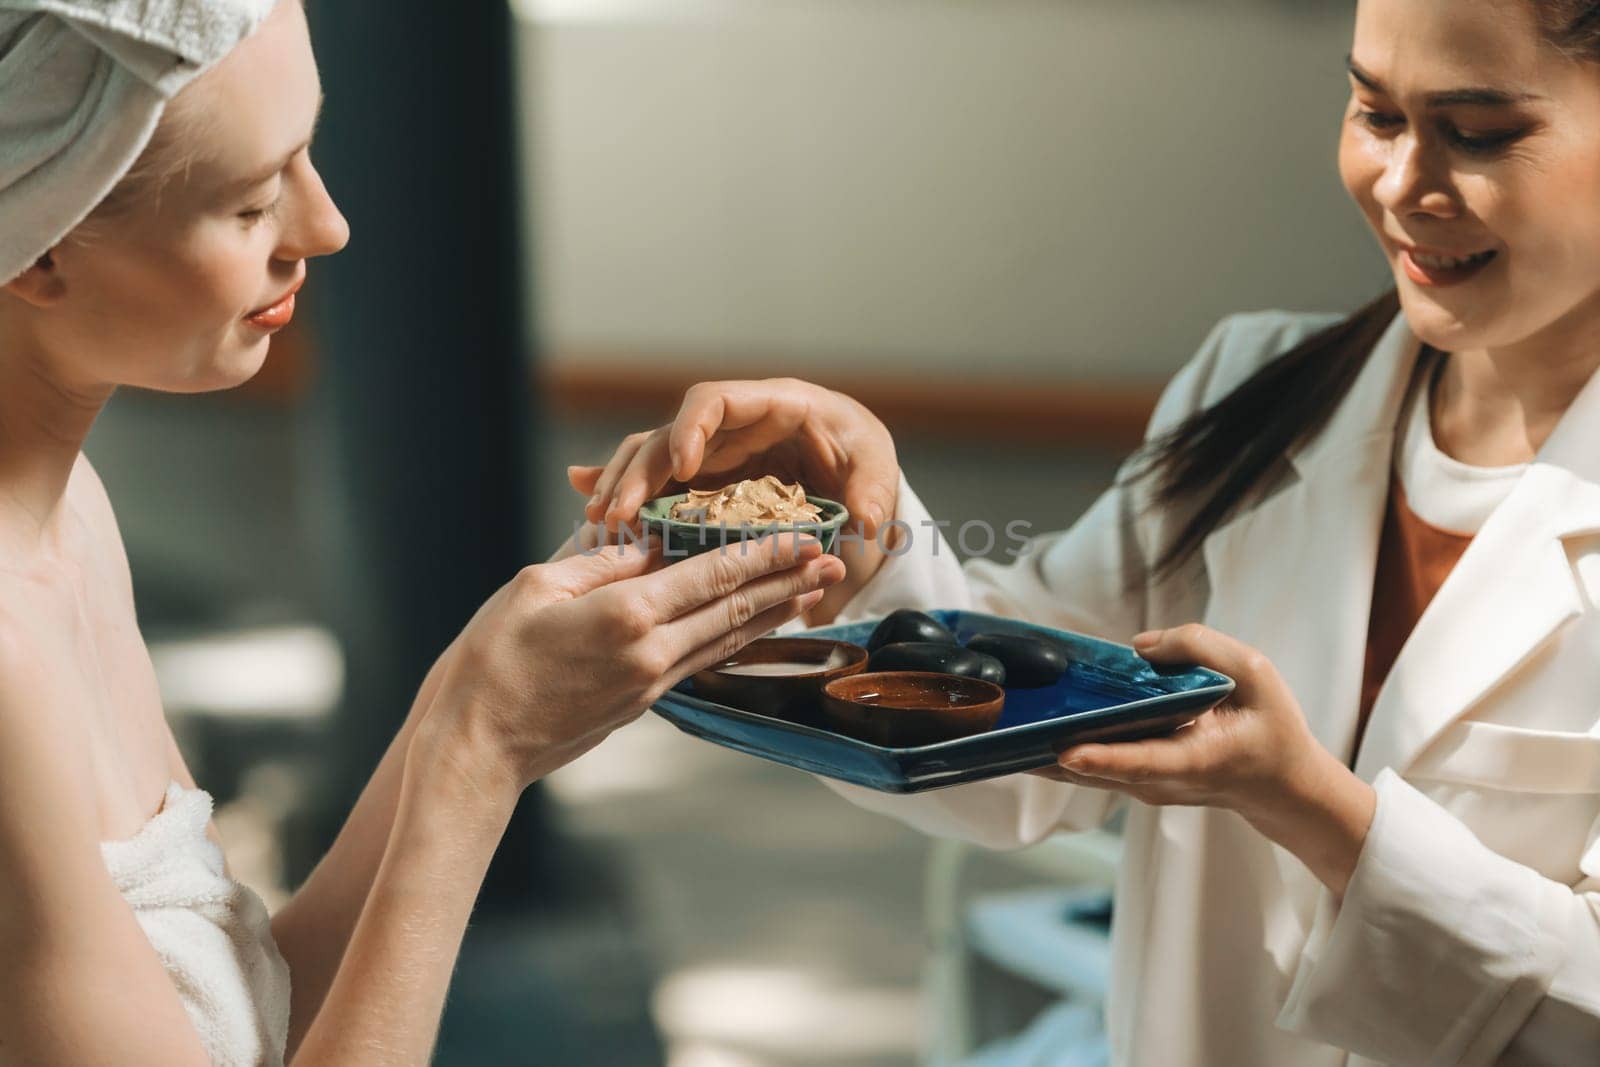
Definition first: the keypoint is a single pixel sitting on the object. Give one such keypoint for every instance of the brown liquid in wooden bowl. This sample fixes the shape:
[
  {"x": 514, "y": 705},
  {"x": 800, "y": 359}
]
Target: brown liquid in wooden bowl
[{"x": 903, "y": 709}]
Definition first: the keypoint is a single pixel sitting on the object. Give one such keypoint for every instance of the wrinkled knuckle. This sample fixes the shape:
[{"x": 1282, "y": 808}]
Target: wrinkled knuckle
[
  {"x": 728, "y": 571},
  {"x": 634, "y": 666},
  {"x": 531, "y": 580},
  {"x": 634, "y": 618},
  {"x": 1190, "y": 632},
  {"x": 534, "y": 587},
  {"x": 654, "y": 663},
  {"x": 740, "y": 607}
]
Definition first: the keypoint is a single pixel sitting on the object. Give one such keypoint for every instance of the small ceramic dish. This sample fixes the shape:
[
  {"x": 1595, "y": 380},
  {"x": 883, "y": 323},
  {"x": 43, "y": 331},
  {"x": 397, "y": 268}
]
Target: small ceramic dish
[
  {"x": 900, "y": 709},
  {"x": 686, "y": 537},
  {"x": 781, "y": 676}
]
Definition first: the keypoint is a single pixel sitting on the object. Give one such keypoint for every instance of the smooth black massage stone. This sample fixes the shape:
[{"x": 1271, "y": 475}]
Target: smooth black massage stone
[
  {"x": 939, "y": 658},
  {"x": 1030, "y": 662},
  {"x": 907, "y": 625}
]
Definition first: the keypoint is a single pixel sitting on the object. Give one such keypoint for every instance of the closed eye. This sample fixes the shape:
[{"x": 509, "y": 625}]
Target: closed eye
[
  {"x": 1472, "y": 143},
  {"x": 252, "y": 216},
  {"x": 1378, "y": 120}
]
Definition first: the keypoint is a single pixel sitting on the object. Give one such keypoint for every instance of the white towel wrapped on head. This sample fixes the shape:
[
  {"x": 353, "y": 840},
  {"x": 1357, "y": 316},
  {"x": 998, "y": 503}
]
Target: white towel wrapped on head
[{"x": 83, "y": 84}]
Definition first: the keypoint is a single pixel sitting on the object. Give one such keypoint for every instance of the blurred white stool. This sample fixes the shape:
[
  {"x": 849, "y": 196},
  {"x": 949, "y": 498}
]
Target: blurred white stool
[
  {"x": 1031, "y": 934},
  {"x": 247, "y": 704},
  {"x": 239, "y": 696},
  {"x": 288, "y": 672}
]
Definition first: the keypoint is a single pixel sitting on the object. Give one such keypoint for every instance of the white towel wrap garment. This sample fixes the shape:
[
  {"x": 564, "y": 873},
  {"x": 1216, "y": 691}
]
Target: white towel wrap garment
[{"x": 212, "y": 934}]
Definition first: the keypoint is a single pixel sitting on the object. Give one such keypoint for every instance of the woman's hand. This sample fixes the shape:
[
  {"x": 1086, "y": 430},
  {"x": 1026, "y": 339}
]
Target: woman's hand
[
  {"x": 569, "y": 651},
  {"x": 1252, "y": 754},
  {"x": 727, "y": 431}
]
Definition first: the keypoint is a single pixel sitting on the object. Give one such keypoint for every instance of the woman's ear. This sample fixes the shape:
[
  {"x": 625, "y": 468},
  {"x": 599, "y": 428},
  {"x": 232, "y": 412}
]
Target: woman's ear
[{"x": 40, "y": 285}]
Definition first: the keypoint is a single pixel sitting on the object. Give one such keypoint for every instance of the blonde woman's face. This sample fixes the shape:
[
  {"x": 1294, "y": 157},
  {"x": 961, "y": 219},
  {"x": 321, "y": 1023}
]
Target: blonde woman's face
[
  {"x": 1472, "y": 147},
  {"x": 183, "y": 290}
]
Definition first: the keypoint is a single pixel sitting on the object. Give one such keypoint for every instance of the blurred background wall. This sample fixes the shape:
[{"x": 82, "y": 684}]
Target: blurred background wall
[
  {"x": 1002, "y": 223},
  {"x": 1057, "y": 189}
]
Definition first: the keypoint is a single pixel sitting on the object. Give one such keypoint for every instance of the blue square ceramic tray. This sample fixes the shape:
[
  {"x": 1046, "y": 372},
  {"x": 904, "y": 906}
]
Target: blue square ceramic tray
[{"x": 1110, "y": 693}]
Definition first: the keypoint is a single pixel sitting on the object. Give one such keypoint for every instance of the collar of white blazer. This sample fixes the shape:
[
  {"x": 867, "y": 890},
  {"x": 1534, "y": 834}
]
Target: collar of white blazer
[{"x": 1293, "y": 575}]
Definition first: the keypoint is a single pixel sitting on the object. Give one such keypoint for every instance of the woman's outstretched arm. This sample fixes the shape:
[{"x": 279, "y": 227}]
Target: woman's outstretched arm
[
  {"x": 593, "y": 632},
  {"x": 382, "y": 1001},
  {"x": 314, "y": 928},
  {"x": 554, "y": 662}
]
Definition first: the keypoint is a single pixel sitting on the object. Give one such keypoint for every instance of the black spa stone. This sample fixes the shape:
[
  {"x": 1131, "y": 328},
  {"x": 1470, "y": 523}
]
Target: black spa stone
[
  {"x": 907, "y": 625},
  {"x": 1030, "y": 662},
  {"x": 939, "y": 658}
]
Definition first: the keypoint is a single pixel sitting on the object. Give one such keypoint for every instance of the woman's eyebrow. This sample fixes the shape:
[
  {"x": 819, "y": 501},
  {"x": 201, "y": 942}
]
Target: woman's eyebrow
[{"x": 1475, "y": 97}]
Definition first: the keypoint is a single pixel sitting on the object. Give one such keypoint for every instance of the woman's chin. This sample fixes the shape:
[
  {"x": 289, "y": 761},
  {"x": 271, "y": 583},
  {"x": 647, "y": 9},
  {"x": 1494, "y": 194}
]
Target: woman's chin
[
  {"x": 1437, "y": 324},
  {"x": 225, "y": 370}
]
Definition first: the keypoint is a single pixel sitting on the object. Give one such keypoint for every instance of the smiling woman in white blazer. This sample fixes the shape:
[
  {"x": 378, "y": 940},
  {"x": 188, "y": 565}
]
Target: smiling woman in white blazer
[{"x": 1438, "y": 901}]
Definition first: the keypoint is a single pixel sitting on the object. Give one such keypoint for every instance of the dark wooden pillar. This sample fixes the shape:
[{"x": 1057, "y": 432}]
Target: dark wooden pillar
[{"x": 420, "y": 416}]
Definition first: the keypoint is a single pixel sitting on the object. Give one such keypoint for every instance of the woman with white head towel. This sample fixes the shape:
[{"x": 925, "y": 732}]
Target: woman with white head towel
[{"x": 158, "y": 205}]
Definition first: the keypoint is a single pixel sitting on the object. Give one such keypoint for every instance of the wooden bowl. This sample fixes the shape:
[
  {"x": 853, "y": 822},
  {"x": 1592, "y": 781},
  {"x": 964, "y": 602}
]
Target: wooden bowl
[
  {"x": 903, "y": 709},
  {"x": 781, "y": 676}
]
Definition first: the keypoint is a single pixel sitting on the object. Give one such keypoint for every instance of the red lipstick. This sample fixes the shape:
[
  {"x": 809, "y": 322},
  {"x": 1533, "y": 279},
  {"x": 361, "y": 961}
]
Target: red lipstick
[
  {"x": 276, "y": 315},
  {"x": 1436, "y": 269}
]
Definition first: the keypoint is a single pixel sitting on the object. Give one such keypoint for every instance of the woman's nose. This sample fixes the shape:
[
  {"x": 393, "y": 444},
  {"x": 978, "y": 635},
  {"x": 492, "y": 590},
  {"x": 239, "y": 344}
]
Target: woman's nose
[
  {"x": 317, "y": 228},
  {"x": 1411, "y": 182}
]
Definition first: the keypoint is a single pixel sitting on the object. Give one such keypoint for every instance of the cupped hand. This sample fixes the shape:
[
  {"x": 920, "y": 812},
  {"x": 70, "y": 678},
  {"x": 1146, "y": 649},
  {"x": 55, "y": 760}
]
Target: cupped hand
[
  {"x": 731, "y": 430},
  {"x": 1239, "y": 755},
  {"x": 568, "y": 651},
  {"x": 1253, "y": 754}
]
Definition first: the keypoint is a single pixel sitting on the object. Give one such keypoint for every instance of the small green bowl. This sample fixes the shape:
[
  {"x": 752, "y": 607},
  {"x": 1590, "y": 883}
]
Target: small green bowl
[{"x": 683, "y": 537}]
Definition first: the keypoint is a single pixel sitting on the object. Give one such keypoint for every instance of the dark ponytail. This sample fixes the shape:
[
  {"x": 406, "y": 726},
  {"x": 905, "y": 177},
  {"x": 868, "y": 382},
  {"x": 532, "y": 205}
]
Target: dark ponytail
[{"x": 1216, "y": 456}]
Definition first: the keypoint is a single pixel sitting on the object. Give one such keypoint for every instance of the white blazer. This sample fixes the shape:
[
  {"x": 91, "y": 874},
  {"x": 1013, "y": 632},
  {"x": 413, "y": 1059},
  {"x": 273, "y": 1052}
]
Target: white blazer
[{"x": 1470, "y": 932}]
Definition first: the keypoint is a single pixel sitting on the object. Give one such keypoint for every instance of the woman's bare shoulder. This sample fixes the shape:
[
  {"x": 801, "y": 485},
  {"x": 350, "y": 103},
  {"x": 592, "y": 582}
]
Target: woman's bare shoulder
[
  {"x": 86, "y": 494},
  {"x": 35, "y": 685},
  {"x": 42, "y": 676}
]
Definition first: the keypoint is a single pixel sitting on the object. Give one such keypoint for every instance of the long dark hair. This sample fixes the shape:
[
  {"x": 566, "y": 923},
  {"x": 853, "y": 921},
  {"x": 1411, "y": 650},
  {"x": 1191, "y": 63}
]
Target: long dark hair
[
  {"x": 1217, "y": 456},
  {"x": 1212, "y": 460}
]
